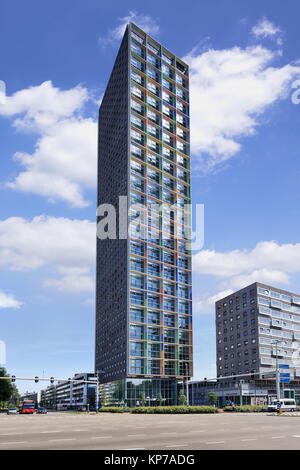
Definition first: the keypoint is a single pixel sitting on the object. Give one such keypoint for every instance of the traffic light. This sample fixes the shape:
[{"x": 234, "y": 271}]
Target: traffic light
[
  {"x": 52, "y": 380},
  {"x": 13, "y": 378},
  {"x": 36, "y": 379}
]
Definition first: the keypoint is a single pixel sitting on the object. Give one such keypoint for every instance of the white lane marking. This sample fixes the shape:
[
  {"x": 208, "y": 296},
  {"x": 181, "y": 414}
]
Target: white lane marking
[
  {"x": 135, "y": 435},
  {"x": 12, "y": 442},
  {"x": 135, "y": 448},
  {"x": 295, "y": 435},
  {"x": 277, "y": 437},
  {"x": 168, "y": 433},
  {"x": 12, "y": 434},
  {"x": 59, "y": 440},
  {"x": 245, "y": 440},
  {"x": 215, "y": 442},
  {"x": 80, "y": 430},
  {"x": 48, "y": 432},
  {"x": 177, "y": 445},
  {"x": 195, "y": 431},
  {"x": 101, "y": 437}
]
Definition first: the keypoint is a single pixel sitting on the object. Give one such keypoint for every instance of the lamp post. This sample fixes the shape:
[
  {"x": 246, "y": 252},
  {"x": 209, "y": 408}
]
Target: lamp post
[
  {"x": 276, "y": 341},
  {"x": 187, "y": 385}
]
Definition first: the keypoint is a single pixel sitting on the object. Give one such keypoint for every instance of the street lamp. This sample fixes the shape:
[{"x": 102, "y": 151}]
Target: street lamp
[
  {"x": 187, "y": 385},
  {"x": 276, "y": 341}
]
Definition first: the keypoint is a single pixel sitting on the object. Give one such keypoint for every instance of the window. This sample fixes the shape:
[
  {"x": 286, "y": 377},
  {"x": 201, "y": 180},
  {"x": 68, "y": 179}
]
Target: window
[
  {"x": 137, "y": 298},
  {"x": 153, "y": 301},
  {"x": 137, "y": 315},
  {"x": 153, "y": 333},
  {"x": 169, "y": 320},
  {"x": 153, "y": 317},
  {"x": 153, "y": 350},
  {"x": 136, "y": 332},
  {"x": 136, "y": 349},
  {"x": 137, "y": 366}
]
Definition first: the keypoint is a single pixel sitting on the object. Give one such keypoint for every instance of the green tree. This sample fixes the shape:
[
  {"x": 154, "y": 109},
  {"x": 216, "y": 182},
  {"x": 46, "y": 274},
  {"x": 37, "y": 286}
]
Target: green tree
[
  {"x": 105, "y": 399},
  {"x": 159, "y": 399},
  {"x": 212, "y": 398},
  {"x": 181, "y": 398},
  {"x": 7, "y": 389},
  {"x": 142, "y": 398}
]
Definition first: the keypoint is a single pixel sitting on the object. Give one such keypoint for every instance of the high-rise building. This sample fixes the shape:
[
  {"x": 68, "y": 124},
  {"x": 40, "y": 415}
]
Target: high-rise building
[
  {"x": 144, "y": 292},
  {"x": 255, "y": 327}
]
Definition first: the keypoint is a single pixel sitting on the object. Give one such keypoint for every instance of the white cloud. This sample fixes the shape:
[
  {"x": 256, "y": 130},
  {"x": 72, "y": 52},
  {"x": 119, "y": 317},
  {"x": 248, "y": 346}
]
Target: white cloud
[
  {"x": 265, "y": 28},
  {"x": 268, "y": 263},
  {"x": 60, "y": 244},
  {"x": 266, "y": 258},
  {"x": 64, "y": 161},
  {"x": 206, "y": 304},
  {"x": 266, "y": 276},
  {"x": 72, "y": 283},
  {"x": 9, "y": 301},
  {"x": 230, "y": 89},
  {"x": 145, "y": 22}
]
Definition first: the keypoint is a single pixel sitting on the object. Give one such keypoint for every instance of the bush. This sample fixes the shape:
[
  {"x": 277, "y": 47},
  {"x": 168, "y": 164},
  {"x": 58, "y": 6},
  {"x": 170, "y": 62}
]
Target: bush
[
  {"x": 113, "y": 409},
  {"x": 245, "y": 409},
  {"x": 175, "y": 409}
]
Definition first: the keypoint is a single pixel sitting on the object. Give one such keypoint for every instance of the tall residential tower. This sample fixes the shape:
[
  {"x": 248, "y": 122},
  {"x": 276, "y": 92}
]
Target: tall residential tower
[{"x": 144, "y": 292}]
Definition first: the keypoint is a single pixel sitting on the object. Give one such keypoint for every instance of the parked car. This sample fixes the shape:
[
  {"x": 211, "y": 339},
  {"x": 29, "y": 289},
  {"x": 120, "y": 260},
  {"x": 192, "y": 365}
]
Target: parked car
[
  {"x": 12, "y": 411},
  {"x": 41, "y": 410}
]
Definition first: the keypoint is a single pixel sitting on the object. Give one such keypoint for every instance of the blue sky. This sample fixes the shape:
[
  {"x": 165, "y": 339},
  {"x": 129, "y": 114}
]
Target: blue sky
[{"x": 55, "y": 61}]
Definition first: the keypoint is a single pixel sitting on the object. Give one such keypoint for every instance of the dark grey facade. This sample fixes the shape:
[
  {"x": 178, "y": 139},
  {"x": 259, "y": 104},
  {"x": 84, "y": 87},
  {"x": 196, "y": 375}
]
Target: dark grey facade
[
  {"x": 249, "y": 323},
  {"x": 112, "y": 263},
  {"x": 143, "y": 287}
]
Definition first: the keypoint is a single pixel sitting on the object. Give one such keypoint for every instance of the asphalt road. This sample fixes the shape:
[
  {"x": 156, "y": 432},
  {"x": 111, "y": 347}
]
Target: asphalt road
[{"x": 153, "y": 432}]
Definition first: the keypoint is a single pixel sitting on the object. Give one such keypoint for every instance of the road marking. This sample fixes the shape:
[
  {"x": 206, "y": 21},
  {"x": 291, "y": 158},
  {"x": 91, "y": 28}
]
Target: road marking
[
  {"x": 135, "y": 435},
  {"x": 13, "y": 442},
  {"x": 245, "y": 440},
  {"x": 215, "y": 442},
  {"x": 135, "y": 448},
  {"x": 295, "y": 435},
  {"x": 48, "y": 432},
  {"x": 177, "y": 445},
  {"x": 12, "y": 434},
  {"x": 101, "y": 437},
  {"x": 195, "y": 431},
  {"x": 59, "y": 440},
  {"x": 168, "y": 433},
  {"x": 277, "y": 437}
]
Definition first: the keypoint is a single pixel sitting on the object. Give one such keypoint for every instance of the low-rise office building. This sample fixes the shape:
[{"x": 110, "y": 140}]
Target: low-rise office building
[
  {"x": 48, "y": 397},
  {"x": 240, "y": 392},
  {"x": 68, "y": 394}
]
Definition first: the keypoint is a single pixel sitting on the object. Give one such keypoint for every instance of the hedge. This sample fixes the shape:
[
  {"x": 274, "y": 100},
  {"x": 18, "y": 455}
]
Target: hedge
[
  {"x": 245, "y": 409},
  {"x": 174, "y": 409},
  {"x": 113, "y": 409}
]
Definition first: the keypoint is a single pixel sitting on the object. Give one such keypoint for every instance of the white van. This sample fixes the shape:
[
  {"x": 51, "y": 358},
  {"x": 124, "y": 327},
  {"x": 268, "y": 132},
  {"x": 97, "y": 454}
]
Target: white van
[{"x": 286, "y": 404}]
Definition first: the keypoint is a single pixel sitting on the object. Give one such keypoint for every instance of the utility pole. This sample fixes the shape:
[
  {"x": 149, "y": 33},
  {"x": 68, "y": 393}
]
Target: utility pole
[
  {"x": 97, "y": 391},
  {"x": 276, "y": 341},
  {"x": 187, "y": 386}
]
